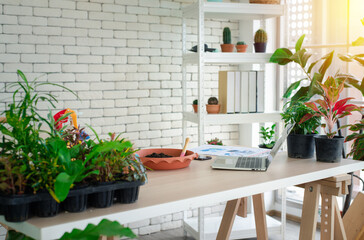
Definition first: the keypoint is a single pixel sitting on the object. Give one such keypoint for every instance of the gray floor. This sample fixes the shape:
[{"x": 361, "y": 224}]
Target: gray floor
[{"x": 292, "y": 233}]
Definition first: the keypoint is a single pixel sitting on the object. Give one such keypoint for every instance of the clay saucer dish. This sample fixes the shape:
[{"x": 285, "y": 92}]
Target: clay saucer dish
[{"x": 174, "y": 162}]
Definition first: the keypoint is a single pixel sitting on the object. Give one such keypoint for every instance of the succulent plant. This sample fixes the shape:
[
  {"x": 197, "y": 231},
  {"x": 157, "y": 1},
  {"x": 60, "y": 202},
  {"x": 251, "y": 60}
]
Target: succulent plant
[
  {"x": 241, "y": 43},
  {"x": 212, "y": 101},
  {"x": 260, "y": 36},
  {"x": 195, "y": 102},
  {"x": 226, "y": 36}
]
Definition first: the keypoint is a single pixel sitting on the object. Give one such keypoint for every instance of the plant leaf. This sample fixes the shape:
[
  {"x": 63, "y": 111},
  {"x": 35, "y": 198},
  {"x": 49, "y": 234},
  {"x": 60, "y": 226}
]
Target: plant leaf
[
  {"x": 299, "y": 42},
  {"x": 281, "y": 56},
  {"x": 104, "y": 228},
  {"x": 13, "y": 235},
  {"x": 291, "y": 88},
  {"x": 326, "y": 64},
  {"x": 62, "y": 185},
  {"x": 358, "y": 42}
]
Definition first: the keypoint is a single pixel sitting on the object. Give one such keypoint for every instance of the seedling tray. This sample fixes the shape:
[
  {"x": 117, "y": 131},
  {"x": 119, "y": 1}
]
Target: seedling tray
[{"x": 9, "y": 203}]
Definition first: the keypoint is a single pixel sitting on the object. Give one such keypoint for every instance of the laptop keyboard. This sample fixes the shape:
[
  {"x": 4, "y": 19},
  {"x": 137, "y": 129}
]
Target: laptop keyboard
[{"x": 249, "y": 162}]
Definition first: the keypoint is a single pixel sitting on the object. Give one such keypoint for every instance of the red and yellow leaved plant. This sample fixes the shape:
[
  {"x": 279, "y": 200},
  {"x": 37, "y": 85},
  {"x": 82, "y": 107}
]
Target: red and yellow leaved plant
[{"x": 330, "y": 107}]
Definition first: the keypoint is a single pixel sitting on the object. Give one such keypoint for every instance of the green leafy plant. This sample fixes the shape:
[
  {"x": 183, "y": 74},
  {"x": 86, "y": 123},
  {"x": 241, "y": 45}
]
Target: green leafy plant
[
  {"x": 260, "y": 36},
  {"x": 226, "y": 35},
  {"x": 357, "y": 150},
  {"x": 241, "y": 43},
  {"x": 267, "y": 134},
  {"x": 91, "y": 232},
  {"x": 330, "y": 107},
  {"x": 115, "y": 161},
  {"x": 283, "y": 56},
  {"x": 293, "y": 113},
  {"x": 12, "y": 176},
  {"x": 63, "y": 162},
  {"x": 212, "y": 101},
  {"x": 22, "y": 145},
  {"x": 195, "y": 102},
  {"x": 215, "y": 141}
]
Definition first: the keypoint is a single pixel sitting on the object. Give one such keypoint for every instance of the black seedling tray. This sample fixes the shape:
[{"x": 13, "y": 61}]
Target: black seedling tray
[
  {"x": 29, "y": 198},
  {"x": 9, "y": 203}
]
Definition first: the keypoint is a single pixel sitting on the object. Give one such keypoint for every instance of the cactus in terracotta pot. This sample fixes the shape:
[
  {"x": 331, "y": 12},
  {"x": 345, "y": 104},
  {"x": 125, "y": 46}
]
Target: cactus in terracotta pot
[
  {"x": 195, "y": 105},
  {"x": 241, "y": 46},
  {"x": 213, "y": 105},
  {"x": 260, "y": 40},
  {"x": 226, "y": 38}
]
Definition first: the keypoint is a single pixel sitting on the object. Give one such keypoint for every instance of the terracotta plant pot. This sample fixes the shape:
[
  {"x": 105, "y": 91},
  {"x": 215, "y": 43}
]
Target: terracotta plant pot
[
  {"x": 241, "y": 48},
  {"x": 227, "y": 47},
  {"x": 260, "y": 47},
  {"x": 213, "y": 109},
  {"x": 195, "y": 108},
  {"x": 174, "y": 162}
]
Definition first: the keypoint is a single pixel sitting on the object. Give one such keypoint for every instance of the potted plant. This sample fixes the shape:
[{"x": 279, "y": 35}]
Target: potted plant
[
  {"x": 267, "y": 134},
  {"x": 215, "y": 141},
  {"x": 112, "y": 159},
  {"x": 357, "y": 148},
  {"x": 195, "y": 105},
  {"x": 241, "y": 46},
  {"x": 297, "y": 91},
  {"x": 300, "y": 141},
  {"x": 22, "y": 147},
  {"x": 260, "y": 40},
  {"x": 226, "y": 37},
  {"x": 213, "y": 105},
  {"x": 329, "y": 147}
]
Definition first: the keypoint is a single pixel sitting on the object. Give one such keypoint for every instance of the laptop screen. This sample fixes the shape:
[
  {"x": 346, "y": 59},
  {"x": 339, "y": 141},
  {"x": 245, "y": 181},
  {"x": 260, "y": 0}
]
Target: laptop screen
[{"x": 279, "y": 143}]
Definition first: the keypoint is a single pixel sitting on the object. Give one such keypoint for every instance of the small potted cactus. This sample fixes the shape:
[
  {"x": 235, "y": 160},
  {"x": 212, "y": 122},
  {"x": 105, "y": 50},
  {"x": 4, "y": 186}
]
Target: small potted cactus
[
  {"x": 226, "y": 37},
  {"x": 195, "y": 105},
  {"x": 213, "y": 105},
  {"x": 241, "y": 46},
  {"x": 260, "y": 40}
]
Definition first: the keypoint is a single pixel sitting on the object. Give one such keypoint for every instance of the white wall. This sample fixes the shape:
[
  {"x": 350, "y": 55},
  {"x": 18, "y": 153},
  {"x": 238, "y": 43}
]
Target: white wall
[{"x": 123, "y": 58}]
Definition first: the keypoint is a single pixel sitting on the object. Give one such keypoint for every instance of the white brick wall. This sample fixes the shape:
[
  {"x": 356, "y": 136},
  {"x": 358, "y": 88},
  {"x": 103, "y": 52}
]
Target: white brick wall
[{"x": 123, "y": 58}]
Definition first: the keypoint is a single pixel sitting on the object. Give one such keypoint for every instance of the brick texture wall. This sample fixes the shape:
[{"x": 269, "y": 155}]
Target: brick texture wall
[{"x": 123, "y": 58}]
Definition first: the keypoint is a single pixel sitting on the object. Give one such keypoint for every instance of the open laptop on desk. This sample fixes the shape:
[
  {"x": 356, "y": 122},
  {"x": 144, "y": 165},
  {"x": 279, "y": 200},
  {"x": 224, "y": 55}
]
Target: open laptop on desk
[{"x": 257, "y": 163}]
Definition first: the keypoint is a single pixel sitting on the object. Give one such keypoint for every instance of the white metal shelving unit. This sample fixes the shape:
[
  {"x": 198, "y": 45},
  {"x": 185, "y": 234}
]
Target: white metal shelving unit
[
  {"x": 201, "y": 228},
  {"x": 238, "y": 11}
]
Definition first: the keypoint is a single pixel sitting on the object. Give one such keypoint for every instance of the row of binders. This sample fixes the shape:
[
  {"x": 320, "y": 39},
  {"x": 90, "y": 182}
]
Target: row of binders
[{"x": 241, "y": 92}]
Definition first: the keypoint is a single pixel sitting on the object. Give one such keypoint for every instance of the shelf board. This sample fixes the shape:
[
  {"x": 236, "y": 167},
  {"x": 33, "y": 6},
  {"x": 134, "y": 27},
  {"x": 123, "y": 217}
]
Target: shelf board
[
  {"x": 228, "y": 58},
  {"x": 237, "y": 118},
  {"x": 242, "y": 228},
  {"x": 240, "y": 11}
]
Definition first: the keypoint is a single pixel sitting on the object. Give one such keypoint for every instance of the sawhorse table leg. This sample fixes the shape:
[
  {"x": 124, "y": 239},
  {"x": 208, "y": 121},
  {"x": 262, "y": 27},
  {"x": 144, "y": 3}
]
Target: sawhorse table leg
[
  {"x": 332, "y": 226},
  {"x": 238, "y": 207}
]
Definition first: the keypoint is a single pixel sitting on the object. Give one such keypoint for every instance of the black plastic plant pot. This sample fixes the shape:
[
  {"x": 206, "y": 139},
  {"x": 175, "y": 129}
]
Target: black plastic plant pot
[
  {"x": 300, "y": 145},
  {"x": 16, "y": 213},
  {"x": 102, "y": 199},
  {"x": 329, "y": 150},
  {"x": 76, "y": 203},
  {"x": 260, "y": 47},
  {"x": 47, "y": 208},
  {"x": 103, "y": 196},
  {"x": 2, "y": 209},
  {"x": 127, "y": 195}
]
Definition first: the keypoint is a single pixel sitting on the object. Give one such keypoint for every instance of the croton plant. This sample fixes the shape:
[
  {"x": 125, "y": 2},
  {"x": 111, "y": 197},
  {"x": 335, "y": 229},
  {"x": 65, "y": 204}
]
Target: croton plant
[{"x": 330, "y": 107}]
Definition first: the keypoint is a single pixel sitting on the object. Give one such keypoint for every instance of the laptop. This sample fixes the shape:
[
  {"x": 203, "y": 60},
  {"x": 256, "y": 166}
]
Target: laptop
[{"x": 251, "y": 163}]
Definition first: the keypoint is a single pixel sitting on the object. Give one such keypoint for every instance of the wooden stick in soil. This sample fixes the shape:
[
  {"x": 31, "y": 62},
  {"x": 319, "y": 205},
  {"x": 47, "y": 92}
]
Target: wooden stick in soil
[{"x": 185, "y": 147}]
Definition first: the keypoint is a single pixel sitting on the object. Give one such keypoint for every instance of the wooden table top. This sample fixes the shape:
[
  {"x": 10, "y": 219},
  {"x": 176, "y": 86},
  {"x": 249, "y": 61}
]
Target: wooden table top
[{"x": 195, "y": 186}]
